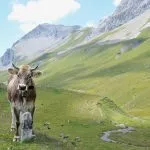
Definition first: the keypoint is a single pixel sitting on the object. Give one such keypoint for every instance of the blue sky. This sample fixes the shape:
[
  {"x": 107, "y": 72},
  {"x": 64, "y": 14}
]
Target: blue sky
[{"x": 17, "y": 17}]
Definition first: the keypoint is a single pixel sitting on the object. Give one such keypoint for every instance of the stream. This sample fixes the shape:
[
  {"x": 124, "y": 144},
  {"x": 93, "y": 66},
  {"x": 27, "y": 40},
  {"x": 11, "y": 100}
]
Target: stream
[{"x": 106, "y": 136}]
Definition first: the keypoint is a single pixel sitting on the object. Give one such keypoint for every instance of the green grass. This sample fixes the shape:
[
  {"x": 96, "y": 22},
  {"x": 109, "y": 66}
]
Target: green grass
[
  {"x": 3, "y": 76},
  {"x": 94, "y": 69},
  {"x": 86, "y": 92},
  {"x": 140, "y": 138},
  {"x": 70, "y": 113}
]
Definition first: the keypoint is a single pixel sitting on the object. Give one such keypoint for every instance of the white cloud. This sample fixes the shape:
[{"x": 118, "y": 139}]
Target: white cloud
[
  {"x": 41, "y": 11},
  {"x": 91, "y": 24},
  {"x": 26, "y": 27},
  {"x": 116, "y": 2}
]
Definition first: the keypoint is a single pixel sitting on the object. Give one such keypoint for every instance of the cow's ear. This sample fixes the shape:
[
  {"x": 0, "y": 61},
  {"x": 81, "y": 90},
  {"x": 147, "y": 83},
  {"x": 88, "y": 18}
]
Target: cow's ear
[
  {"x": 36, "y": 73},
  {"x": 11, "y": 71}
]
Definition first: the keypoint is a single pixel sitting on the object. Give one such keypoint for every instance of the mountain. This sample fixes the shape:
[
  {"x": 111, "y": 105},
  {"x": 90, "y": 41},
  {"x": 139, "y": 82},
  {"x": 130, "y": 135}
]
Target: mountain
[
  {"x": 92, "y": 85},
  {"x": 38, "y": 41},
  {"x": 127, "y": 22},
  {"x": 7, "y": 57},
  {"x": 43, "y": 37},
  {"x": 126, "y": 11}
]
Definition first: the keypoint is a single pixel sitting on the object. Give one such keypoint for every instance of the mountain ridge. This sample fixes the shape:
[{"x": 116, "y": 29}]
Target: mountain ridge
[
  {"x": 126, "y": 11},
  {"x": 47, "y": 37},
  {"x": 37, "y": 41}
]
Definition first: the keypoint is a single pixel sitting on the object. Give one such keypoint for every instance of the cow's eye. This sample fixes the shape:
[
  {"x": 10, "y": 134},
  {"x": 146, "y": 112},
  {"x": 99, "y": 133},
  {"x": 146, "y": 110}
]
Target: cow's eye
[
  {"x": 18, "y": 75},
  {"x": 29, "y": 76}
]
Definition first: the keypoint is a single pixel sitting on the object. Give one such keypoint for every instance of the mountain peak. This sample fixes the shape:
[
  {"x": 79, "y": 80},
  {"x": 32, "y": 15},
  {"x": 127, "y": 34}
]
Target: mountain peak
[
  {"x": 40, "y": 39},
  {"x": 126, "y": 11},
  {"x": 50, "y": 30}
]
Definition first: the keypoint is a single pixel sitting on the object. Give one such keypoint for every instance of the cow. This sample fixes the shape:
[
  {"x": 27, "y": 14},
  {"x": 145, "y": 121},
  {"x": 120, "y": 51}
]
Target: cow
[{"x": 21, "y": 94}]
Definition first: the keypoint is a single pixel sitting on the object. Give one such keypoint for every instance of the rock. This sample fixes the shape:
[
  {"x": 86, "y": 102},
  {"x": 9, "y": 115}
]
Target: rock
[
  {"x": 10, "y": 148},
  {"x": 65, "y": 136},
  {"x": 48, "y": 128},
  {"x": 61, "y": 134},
  {"x": 46, "y": 124},
  {"x": 121, "y": 126},
  {"x": 73, "y": 143},
  {"x": 77, "y": 139},
  {"x": 26, "y": 127}
]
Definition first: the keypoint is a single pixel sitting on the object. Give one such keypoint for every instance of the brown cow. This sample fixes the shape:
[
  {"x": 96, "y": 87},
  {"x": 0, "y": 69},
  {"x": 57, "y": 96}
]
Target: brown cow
[{"x": 21, "y": 93}]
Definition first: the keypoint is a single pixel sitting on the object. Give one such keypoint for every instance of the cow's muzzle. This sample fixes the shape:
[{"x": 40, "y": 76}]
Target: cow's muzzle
[
  {"x": 22, "y": 87},
  {"x": 23, "y": 90}
]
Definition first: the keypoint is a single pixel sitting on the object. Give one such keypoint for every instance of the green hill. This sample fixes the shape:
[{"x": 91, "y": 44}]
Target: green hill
[
  {"x": 105, "y": 71},
  {"x": 87, "y": 90}
]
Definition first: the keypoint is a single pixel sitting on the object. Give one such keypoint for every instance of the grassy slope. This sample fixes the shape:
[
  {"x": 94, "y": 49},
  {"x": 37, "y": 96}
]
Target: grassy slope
[
  {"x": 70, "y": 113},
  {"x": 95, "y": 70}
]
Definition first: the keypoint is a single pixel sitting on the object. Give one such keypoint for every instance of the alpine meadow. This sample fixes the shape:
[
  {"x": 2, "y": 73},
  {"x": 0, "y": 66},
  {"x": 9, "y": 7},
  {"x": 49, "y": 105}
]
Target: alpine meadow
[{"x": 94, "y": 91}]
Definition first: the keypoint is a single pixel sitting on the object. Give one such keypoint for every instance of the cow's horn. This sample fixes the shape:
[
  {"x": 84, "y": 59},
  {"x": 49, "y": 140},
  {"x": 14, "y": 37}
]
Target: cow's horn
[
  {"x": 34, "y": 68},
  {"x": 15, "y": 66}
]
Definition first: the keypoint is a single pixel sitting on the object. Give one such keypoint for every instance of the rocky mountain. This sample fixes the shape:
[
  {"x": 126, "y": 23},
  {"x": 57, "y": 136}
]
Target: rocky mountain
[
  {"x": 126, "y": 11},
  {"x": 39, "y": 40},
  {"x": 50, "y": 30},
  {"x": 42, "y": 38},
  {"x": 7, "y": 57},
  {"x": 127, "y": 21}
]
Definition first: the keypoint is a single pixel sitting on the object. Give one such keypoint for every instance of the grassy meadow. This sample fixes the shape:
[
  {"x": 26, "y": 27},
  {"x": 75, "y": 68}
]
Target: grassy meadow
[
  {"x": 85, "y": 92},
  {"x": 67, "y": 120}
]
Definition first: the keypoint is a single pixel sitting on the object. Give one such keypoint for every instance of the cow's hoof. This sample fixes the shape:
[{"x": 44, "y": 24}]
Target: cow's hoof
[
  {"x": 13, "y": 129},
  {"x": 33, "y": 136},
  {"x": 16, "y": 139}
]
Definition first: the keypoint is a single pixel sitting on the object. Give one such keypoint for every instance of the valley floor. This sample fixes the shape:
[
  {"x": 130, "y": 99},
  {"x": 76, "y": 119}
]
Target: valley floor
[{"x": 64, "y": 121}]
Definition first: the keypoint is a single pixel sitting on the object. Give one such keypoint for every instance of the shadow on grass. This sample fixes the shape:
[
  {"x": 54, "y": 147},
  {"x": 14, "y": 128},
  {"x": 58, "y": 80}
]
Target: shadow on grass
[
  {"x": 134, "y": 65},
  {"x": 46, "y": 140},
  {"x": 42, "y": 142}
]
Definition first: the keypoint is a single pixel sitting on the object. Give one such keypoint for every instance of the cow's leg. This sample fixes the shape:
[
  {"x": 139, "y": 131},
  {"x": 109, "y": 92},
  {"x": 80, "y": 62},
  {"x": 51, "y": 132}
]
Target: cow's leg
[
  {"x": 17, "y": 115},
  {"x": 13, "y": 123},
  {"x": 32, "y": 114}
]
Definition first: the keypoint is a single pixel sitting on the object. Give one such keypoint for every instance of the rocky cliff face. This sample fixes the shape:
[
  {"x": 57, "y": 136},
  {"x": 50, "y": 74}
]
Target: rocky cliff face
[
  {"x": 126, "y": 11},
  {"x": 7, "y": 58}
]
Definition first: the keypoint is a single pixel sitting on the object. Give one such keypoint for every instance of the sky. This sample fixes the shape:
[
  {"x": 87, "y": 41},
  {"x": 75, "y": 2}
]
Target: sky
[{"x": 18, "y": 17}]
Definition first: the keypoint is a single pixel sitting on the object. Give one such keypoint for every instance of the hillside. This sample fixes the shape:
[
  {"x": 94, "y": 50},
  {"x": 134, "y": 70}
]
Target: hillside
[
  {"x": 89, "y": 90},
  {"x": 92, "y": 68},
  {"x": 91, "y": 83}
]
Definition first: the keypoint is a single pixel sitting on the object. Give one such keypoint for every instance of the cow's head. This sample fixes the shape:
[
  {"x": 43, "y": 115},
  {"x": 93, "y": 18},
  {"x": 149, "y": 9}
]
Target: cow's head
[{"x": 24, "y": 75}]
